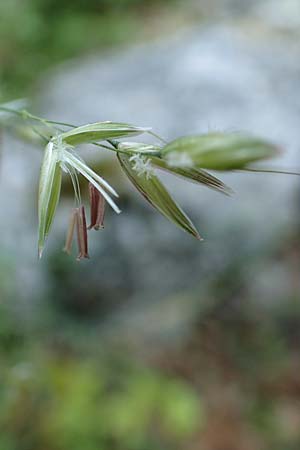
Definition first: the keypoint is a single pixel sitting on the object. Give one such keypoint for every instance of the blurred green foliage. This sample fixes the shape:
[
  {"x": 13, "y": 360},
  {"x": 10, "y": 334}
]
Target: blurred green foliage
[
  {"x": 234, "y": 381},
  {"x": 35, "y": 34},
  {"x": 57, "y": 403}
]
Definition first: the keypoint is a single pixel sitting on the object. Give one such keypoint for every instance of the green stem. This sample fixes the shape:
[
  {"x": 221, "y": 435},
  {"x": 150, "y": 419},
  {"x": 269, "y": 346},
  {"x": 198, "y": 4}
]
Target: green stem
[
  {"x": 282, "y": 172},
  {"x": 157, "y": 137},
  {"x": 40, "y": 134},
  {"x": 28, "y": 116},
  {"x": 9, "y": 110}
]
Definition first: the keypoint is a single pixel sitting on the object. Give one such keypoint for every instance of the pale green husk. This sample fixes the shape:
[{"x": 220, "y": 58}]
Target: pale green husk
[
  {"x": 49, "y": 192},
  {"x": 100, "y": 131},
  {"x": 195, "y": 175},
  {"x": 217, "y": 151},
  {"x": 156, "y": 194}
]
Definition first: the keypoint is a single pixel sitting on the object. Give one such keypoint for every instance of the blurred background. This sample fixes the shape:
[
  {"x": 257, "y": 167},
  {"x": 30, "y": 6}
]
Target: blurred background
[{"x": 156, "y": 342}]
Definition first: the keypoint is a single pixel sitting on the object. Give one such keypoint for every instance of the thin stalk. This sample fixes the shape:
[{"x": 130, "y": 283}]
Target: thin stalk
[
  {"x": 130, "y": 152},
  {"x": 9, "y": 110},
  {"x": 39, "y": 134},
  {"x": 157, "y": 137},
  {"x": 28, "y": 116},
  {"x": 282, "y": 172}
]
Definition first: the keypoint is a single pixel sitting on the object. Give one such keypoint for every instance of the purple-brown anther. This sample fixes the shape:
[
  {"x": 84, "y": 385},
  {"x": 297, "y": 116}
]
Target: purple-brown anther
[
  {"x": 81, "y": 233},
  {"x": 97, "y": 204}
]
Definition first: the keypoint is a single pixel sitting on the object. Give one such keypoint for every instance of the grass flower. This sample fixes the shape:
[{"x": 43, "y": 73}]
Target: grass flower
[
  {"x": 60, "y": 157},
  {"x": 142, "y": 165},
  {"x": 186, "y": 157}
]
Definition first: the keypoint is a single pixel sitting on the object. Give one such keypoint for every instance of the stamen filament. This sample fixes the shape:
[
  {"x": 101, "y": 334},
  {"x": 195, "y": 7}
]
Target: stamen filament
[
  {"x": 86, "y": 173},
  {"x": 70, "y": 234},
  {"x": 77, "y": 163}
]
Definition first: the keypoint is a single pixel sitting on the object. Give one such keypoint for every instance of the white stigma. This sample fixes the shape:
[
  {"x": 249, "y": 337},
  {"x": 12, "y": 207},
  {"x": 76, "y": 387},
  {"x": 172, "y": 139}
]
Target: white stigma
[{"x": 142, "y": 165}]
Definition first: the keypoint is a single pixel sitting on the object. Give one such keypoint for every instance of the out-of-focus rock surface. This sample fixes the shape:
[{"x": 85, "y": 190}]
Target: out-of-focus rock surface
[
  {"x": 212, "y": 77},
  {"x": 272, "y": 13}
]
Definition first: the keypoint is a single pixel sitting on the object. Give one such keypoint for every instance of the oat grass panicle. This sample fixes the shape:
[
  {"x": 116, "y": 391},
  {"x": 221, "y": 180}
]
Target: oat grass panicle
[{"x": 189, "y": 157}]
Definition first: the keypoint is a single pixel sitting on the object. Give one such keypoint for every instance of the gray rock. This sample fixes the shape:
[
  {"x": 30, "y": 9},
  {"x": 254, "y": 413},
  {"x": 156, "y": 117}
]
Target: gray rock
[
  {"x": 213, "y": 78},
  {"x": 267, "y": 13}
]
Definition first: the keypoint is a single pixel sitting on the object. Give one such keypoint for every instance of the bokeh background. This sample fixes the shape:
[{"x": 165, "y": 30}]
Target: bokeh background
[{"x": 157, "y": 342}]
